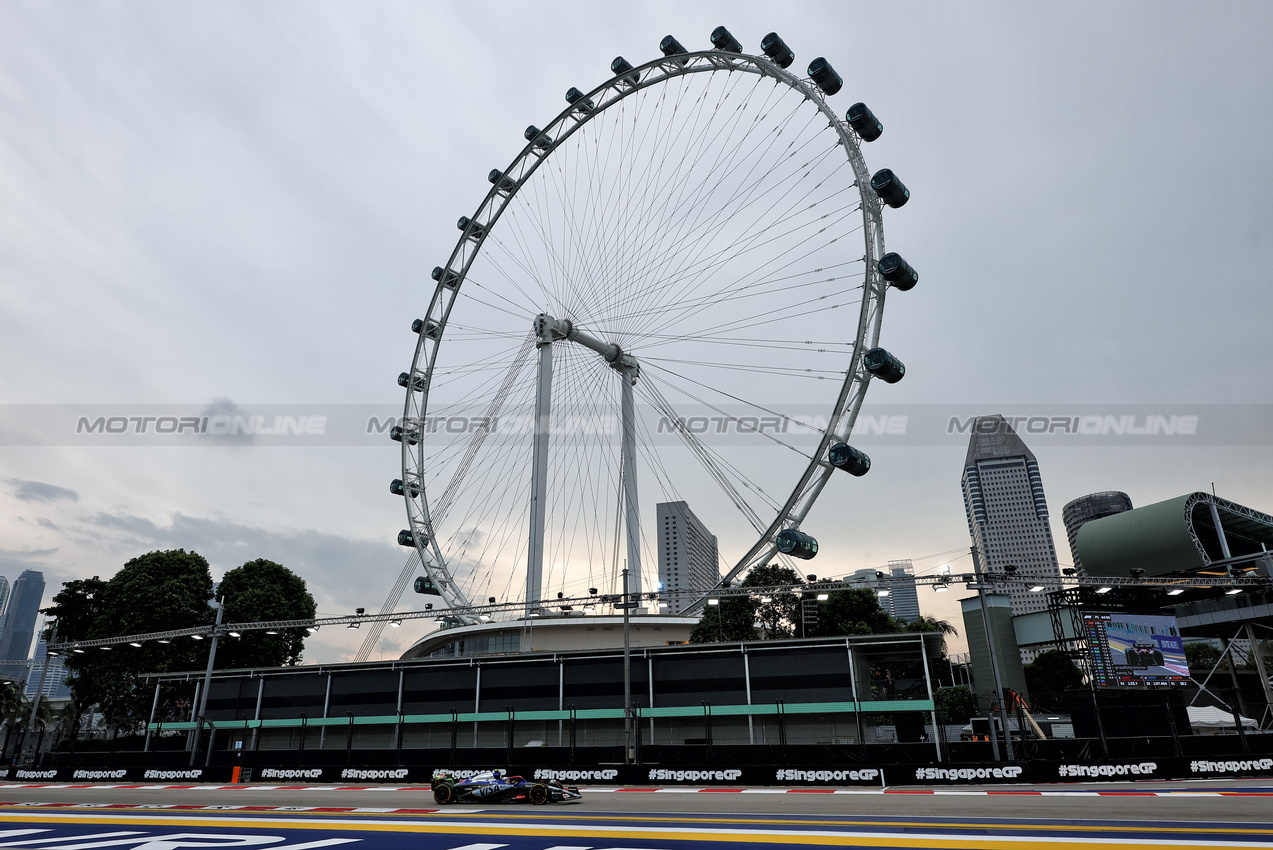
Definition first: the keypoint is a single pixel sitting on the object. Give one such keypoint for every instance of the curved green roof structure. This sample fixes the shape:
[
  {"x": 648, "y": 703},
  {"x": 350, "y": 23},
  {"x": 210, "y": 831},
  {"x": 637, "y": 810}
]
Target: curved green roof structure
[{"x": 1178, "y": 534}]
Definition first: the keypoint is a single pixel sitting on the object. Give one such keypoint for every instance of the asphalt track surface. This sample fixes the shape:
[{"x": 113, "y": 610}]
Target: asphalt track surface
[{"x": 1160, "y": 814}]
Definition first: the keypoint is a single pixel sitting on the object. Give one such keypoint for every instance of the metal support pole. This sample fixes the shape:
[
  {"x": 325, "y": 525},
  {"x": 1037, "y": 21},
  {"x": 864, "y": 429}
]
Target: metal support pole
[
  {"x": 1215, "y": 517},
  {"x": 923, "y": 659},
  {"x": 154, "y": 706},
  {"x": 627, "y": 673},
  {"x": 631, "y": 512},
  {"x": 39, "y": 689},
  {"x": 207, "y": 683},
  {"x": 539, "y": 464},
  {"x": 994, "y": 661},
  {"x": 1260, "y": 668}
]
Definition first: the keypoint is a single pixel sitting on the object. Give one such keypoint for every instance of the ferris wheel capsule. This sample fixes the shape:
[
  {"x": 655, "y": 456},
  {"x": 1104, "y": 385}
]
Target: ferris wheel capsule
[
  {"x": 777, "y": 50},
  {"x": 883, "y": 365},
  {"x": 722, "y": 39},
  {"x": 890, "y": 189},
  {"x": 620, "y": 67},
  {"x": 864, "y": 122},
  {"x": 797, "y": 544},
  {"x": 851, "y": 460},
  {"x": 671, "y": 47},
  {"x": 899, "y": 273},
  {"x": 821, "y": 72}
]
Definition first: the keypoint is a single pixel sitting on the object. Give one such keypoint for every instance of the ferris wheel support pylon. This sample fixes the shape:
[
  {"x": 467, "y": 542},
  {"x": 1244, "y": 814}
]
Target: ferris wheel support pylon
[{"x": 550, "y": 330}]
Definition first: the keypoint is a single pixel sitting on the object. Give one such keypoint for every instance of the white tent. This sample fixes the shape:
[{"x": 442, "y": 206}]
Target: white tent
[{"x": 1210, "y": 717}]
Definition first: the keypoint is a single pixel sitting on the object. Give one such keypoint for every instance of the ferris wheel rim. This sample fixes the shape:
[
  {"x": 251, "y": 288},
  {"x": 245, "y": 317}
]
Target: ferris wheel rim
[{"x": 469, "y": 246}]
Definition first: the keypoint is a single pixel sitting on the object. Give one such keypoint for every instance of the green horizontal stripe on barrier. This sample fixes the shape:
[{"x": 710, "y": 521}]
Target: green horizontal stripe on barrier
[
  {"x": 898, "y": 705},
  {"x": 881, "y": 706}
]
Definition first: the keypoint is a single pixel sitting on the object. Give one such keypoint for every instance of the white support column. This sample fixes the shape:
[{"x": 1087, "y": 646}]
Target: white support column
[
  {"x": 539, "y": 463},
  {"x": 631, "y": 511}
]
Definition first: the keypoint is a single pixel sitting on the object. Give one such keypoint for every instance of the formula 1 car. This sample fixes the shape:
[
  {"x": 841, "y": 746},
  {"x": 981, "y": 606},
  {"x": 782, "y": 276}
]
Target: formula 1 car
[
  {"x": 496, "y": 787},
  {"x": 1144, "y": 655}
]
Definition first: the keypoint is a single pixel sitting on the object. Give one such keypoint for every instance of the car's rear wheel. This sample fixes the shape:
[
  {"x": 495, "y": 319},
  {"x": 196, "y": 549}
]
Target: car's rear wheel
[
  {"x": 538, "y": 794},
  {"x": 443, "y": 793}
]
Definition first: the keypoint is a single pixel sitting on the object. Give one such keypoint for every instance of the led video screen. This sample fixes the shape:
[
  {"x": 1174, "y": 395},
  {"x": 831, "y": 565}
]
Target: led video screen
[{"x": 1135, "y": 651}]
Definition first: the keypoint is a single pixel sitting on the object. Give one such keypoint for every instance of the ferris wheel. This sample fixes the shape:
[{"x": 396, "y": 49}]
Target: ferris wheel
[{"x": 674, "y": 292}]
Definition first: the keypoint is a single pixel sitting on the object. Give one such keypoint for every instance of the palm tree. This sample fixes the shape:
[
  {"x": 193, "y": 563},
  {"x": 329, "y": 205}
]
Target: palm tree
[{"x": 932, "y": 624}]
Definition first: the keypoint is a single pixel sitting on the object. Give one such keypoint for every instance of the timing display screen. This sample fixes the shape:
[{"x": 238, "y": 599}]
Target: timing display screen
[{"x": 1131, "y": 651}]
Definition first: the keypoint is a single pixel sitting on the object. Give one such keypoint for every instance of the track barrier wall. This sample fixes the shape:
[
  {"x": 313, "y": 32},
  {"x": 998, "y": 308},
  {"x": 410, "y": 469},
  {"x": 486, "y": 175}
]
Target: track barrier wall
[{"x": 827, "y": 775}]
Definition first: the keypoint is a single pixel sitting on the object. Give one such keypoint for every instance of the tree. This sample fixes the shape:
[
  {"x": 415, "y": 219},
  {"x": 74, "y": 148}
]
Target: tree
[
  {"x": 260, "y": 591},
  {"x": 850, "y": 612},
  {"x": 158, "y": 591},
  {"x": 732, "y": 619},
  {"x": 932, "y": 624},
  {"x": 1049, "y": 675},
  {"x": 777, "y": 617},
  {"x": 954, "y": 705},
  {"x": 1201, "y": 657}
]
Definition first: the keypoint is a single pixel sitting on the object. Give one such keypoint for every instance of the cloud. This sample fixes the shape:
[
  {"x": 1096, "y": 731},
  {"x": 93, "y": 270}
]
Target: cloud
[{"x": 38, "y": 491}]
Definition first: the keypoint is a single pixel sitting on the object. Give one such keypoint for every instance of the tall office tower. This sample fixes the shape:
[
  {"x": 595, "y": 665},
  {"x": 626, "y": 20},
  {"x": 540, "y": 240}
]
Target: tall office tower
[
  {"x": 4, "y": 597},
  {"x": 54, "y": 685},
  {"x": 1084, "y": 509},
  {"x": 903, "y": 599},
  {"x": 689, "y": 560},
  {"x": 1007, "y": 513},
  {"x": 19, "y": 623}
]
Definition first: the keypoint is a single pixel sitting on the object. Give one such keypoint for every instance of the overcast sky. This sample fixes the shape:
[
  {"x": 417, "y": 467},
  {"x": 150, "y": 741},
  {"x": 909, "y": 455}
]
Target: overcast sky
[{"x": 239, "y": 203}]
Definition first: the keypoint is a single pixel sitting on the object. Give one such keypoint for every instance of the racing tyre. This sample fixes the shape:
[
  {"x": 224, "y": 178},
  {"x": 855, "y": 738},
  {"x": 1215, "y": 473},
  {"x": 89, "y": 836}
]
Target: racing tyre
[
  {"x": 538, "y": 794},
  {"x": 1158, "y": 659},
  {"x": 443, "y": 793}
]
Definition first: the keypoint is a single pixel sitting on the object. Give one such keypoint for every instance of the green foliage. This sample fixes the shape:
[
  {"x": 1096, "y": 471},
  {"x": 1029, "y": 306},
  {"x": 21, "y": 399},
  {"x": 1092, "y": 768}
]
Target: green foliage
[
  {"x": 169, "y": 590},
  {"x": 731, "y": 620},
  {"x": 850, "y": 612},
  {"x": 954, "y": 705},
  {"x": 155, "y": 592},
  {"x": 777, "y": 617},
  {"x": 1202, "y": 657},
  {"x": 256, "y": 592},
  {"x": 932, "y": 624},
  {"x": 1049, "y": 675}
]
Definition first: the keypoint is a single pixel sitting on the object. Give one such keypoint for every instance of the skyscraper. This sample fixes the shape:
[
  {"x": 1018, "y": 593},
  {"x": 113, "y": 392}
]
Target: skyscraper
[
  {"x": 19, "y": 623},
  {"x": 55, "y": 686},
  {"x": 1084, "y": 509},
  {"x": 1007, "y": 512},
  {"x": 903, "y": 598},
  {"x": 689, "y": 560},
  {"x": 4, "y": 597}
]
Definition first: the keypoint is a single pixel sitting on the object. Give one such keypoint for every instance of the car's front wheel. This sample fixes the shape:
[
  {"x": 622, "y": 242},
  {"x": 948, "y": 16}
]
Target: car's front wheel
[{"x": 538, "y": 794}]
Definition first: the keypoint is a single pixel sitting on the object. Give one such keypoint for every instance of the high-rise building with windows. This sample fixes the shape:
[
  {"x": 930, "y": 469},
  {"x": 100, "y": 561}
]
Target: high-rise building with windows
[
  {"x": 903, "y": 597},
  {"x": 55, "y": 686},
  {"x": 1084, "y": 509},
  {"x": 4, "y": 598},
  {"x": 1007, "y": 512},
  {"x": 19, "y": 623},
  {"x": 689, "y": 559}
]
